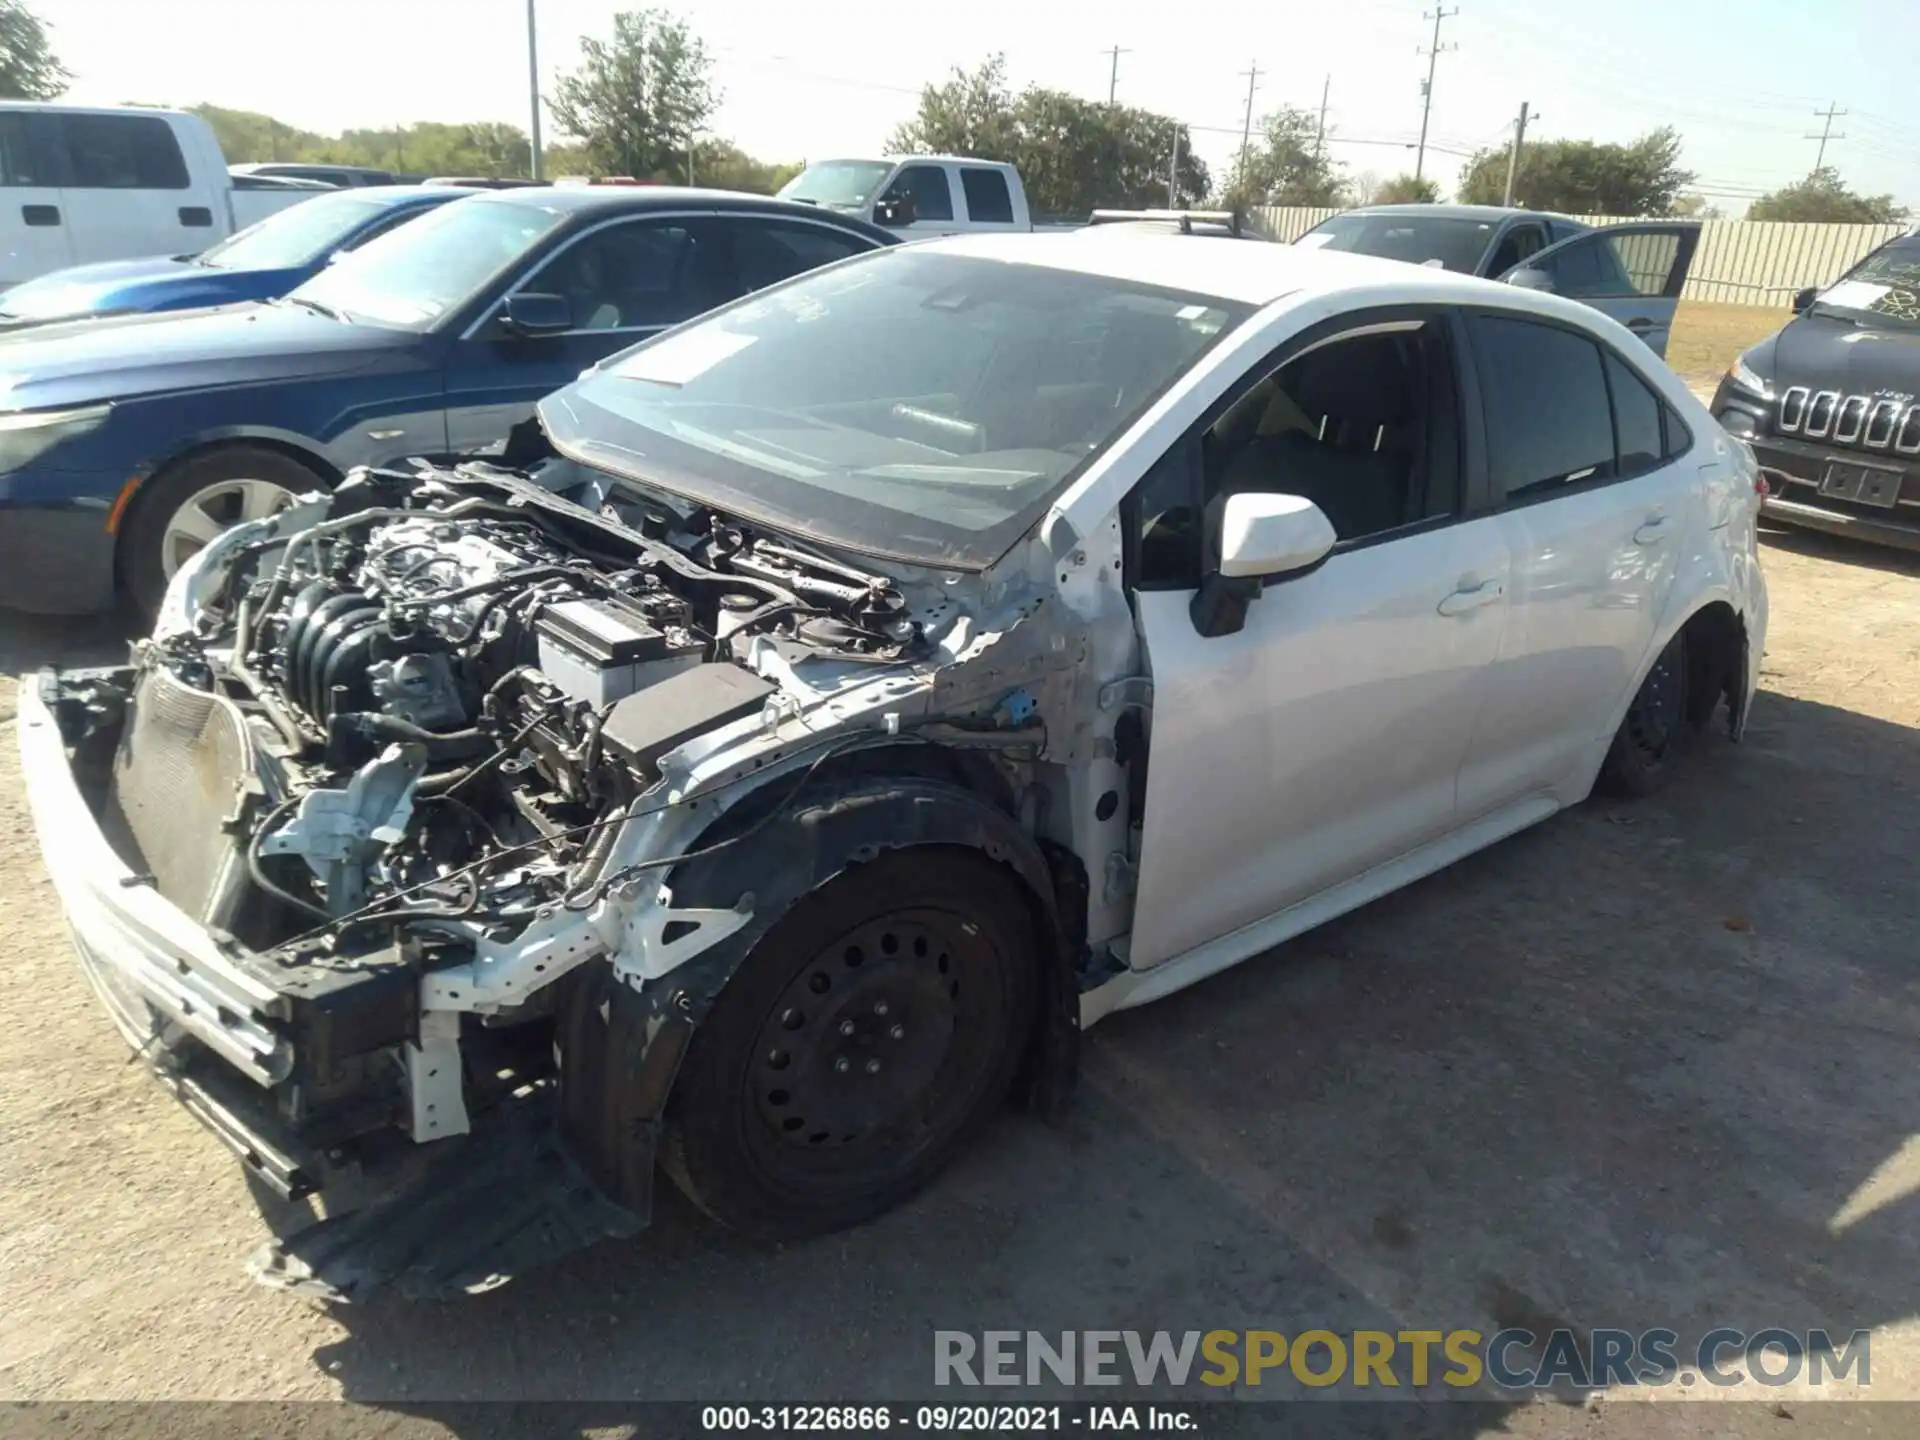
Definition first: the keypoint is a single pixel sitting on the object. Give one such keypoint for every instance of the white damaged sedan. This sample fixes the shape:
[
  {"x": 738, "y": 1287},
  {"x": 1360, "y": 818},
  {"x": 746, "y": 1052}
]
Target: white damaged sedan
[{"x": 847, "y": 697}]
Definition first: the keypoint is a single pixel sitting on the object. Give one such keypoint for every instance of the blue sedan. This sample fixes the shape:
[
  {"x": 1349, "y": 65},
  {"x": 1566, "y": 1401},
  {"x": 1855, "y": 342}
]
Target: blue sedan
[
  {"x": 126, "y": 444},
  {"x": 263, "y": 261}
]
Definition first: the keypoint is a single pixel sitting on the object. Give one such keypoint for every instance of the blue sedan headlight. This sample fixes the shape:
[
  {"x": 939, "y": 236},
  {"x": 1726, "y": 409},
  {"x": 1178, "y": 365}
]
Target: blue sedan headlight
[{"x": 26, "y": 435}]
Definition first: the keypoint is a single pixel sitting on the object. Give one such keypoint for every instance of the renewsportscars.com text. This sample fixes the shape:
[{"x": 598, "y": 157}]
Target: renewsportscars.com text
[{"x": 1510, "y": 1359}]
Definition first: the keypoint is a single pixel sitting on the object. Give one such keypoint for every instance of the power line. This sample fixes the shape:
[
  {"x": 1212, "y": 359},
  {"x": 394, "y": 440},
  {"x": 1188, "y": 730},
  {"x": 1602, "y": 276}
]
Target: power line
[
  {"x": 1826, "y": 133},
  {"x": 1426, "y": 89}
]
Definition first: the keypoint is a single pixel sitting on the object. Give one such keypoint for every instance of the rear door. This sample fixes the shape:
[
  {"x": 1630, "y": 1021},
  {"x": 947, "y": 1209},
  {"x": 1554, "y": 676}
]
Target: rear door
[
  {"x": 623, "y": 280},
  {"x": 1592, "y": 486},
  {"x": 34, "y": 236},
  {"x": 1632, "y": 272},
  {"x": 127, "y": 190}
]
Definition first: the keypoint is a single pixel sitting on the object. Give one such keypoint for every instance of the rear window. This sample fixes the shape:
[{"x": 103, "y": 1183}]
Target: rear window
[{"x": 121, "y": 152}]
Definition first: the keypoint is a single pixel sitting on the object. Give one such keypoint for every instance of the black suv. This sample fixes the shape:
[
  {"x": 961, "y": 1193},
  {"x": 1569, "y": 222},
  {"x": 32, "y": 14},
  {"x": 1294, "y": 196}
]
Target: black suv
[{"x": 1830, "y": 404}]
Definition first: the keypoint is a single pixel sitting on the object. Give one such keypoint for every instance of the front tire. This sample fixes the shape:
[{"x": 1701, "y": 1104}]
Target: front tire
[
  {"x": 183, "y": 508},
  {"x": 859, "y": 1046},
  {"x": 1653, "y": 737}
]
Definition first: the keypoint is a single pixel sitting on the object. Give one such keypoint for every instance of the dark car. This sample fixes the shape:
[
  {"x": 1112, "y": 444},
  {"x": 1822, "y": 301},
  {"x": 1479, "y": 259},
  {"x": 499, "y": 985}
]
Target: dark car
[
  {"x": 1633, "y": 272},
  {"x": 335, "y": 175},
  {"x": 1218, "y": 224},
  {"x": 1830, "y": 403},
  {"x": 126, "y": 444},
  {"x": 265, "y": 260}
]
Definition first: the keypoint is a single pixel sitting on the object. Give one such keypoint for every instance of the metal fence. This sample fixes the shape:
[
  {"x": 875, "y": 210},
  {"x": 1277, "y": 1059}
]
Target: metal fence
[{"x": 1740, "y": 262}]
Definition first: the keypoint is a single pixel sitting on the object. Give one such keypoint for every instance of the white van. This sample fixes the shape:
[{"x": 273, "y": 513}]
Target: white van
[{"x": 81, "y": 184}]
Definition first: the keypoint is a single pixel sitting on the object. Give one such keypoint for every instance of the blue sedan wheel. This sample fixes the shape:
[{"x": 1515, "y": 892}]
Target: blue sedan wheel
[{"x": 212, "y": 509}]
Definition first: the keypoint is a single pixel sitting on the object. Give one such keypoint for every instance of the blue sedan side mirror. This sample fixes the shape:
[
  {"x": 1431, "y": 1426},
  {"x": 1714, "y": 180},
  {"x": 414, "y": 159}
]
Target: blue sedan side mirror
[{"x": 535, "y": 314}]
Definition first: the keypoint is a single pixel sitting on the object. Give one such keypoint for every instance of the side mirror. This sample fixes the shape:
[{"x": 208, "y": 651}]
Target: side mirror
[
  {"x": 534, "y": 314},
  {"x": 895, "y": 210},
  {"x": 1528, "y": 279},
  {"x": 1262, "y": 537},
  {"x": 1803, "y": 299},
  {"x": 1269, "y": 537}
]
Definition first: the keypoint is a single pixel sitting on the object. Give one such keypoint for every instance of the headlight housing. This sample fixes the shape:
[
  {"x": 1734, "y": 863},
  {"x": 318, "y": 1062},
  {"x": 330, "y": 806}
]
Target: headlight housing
[
  {"x": 25, "y": 435},
  {"x": 1743, "y": 376}
]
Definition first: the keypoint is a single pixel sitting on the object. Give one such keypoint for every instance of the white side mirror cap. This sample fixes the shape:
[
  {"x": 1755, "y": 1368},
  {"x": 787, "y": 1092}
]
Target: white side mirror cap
[{"x": 1272, "y": 535}]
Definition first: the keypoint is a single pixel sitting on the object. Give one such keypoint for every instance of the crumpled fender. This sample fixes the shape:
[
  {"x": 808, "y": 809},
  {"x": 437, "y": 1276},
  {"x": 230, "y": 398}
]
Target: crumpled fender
[{"x": 623, "y": 1046}]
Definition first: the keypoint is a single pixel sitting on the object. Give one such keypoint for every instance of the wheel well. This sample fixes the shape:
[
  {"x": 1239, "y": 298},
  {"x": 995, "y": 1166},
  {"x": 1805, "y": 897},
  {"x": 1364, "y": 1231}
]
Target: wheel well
[
  {"x": 1716, "y": 640},
  {"x": 322, "y": 469}
]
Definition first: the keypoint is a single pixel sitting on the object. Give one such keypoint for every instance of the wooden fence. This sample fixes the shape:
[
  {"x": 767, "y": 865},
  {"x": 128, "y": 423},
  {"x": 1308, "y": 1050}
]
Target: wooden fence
[{"x": 1740, "y": 262}]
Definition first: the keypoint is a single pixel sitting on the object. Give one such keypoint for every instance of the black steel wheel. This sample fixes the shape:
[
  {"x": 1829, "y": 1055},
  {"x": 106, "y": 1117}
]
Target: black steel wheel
[
  {"x": 1655, "y": 731},
  {"x": 858, "y": 1046}
]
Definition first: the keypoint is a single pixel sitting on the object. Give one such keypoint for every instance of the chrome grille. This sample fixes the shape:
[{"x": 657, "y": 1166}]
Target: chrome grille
[
  {"x": 1872, "y": 422},
  {"x": 177, "y": 779}
]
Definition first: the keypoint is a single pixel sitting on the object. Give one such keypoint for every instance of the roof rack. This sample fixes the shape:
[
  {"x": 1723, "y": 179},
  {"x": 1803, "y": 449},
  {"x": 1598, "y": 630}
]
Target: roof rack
[{"x": 1183, "y": 218}]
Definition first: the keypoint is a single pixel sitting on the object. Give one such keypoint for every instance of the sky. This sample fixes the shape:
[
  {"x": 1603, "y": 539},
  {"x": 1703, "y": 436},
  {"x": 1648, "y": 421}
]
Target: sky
[{"x": 1742, "y": 83}]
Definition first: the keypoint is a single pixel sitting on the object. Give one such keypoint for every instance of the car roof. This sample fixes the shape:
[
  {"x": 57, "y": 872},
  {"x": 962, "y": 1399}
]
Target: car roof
[
  {"x": 1458, "y": 212},
  {"x": 587, "y": 199},
  {"x": 404, "y": 194},
  {"x": 1248, "y": 274}
]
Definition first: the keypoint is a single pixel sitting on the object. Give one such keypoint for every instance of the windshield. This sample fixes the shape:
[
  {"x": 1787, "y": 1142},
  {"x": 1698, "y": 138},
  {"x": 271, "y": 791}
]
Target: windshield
[
  {"x": 412, "y": 276},
  {"x": 846, "y": 184},
  {"x": 1456, "y": 243},
  {"x": 1885, "y": 285},
  {"x": 918, "y": 406},
  {"x": 296, "y": 236}
]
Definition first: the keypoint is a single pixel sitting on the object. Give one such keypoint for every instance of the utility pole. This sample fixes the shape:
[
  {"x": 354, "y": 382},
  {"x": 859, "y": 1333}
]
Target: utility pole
[
  {"x": 1252, "y": 72},
  {"x": 533, "y": 89},
  {"x": 1320, "y": 135},
  {"x": 1173, "y": 172},
  {"x": 1513, "y": 160},
  {"x": 1830, "y": 114},
  {"x": 1432, "y": 53},
  {"x": 1113, "y": 75}
]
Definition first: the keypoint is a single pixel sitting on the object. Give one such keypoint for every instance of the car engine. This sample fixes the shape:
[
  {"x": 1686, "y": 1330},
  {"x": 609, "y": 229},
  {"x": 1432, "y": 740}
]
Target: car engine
[{"x": 439, "y": 702}]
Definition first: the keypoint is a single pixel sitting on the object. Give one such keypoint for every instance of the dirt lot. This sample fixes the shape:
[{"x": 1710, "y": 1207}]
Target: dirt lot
[
  {"x": 1644, "y": 1065},
  {"x": 1706, "y": 337}
]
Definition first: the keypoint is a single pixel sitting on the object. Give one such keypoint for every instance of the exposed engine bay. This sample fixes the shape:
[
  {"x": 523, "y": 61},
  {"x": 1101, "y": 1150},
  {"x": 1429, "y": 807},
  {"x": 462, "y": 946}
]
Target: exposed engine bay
[{"x": 455, "y": 703}]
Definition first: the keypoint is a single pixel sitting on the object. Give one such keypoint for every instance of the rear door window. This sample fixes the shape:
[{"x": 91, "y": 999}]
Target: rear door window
[
  {"x": 988, "y": 200},
  {"x": 768, "y": 251},
  {"x": 121, "y": 152},
  {"x": 1549, "y": 423}
]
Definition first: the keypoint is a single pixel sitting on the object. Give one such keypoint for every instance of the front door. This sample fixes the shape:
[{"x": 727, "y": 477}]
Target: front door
[
  {"x": 1590, "y": 477},
  {"x": 1324, "y": 736},
  {"x": 622, "y": 282},
  {"x": 1632, "y": 272}
]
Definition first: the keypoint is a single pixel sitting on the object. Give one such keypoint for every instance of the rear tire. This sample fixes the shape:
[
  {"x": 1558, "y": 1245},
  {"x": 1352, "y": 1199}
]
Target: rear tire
[
  {"x": 858, "y": 1047},
  {"x": 1655, "y": 735},
  {"x": 182, "y": 508}
]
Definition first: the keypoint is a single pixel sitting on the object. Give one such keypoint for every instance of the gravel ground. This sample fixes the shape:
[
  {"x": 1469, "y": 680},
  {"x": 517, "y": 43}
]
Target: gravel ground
[{"x": 1644, "y": 1065}]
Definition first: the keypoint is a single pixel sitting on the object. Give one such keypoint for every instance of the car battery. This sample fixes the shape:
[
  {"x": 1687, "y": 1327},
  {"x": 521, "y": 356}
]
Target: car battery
[{"x": 604, "y": 649}]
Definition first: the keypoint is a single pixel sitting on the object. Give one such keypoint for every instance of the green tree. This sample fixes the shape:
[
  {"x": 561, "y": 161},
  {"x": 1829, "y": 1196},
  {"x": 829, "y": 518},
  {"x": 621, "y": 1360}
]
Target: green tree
[
  {"x": 1822, "y": 197},
  {"x": 1584, "y": 177},
  {"x": 1406, "y": 190},
  {"x": 1073, "y": 155},
  {"x": 1285, "y": 165},
  {"x": 1696, "y": 207},
  {"x": 637, "y": 100},
  {"x": 28, "y": 68},
  {"x": 971, "y": 114},
  {"x": 721, "y": 165}
]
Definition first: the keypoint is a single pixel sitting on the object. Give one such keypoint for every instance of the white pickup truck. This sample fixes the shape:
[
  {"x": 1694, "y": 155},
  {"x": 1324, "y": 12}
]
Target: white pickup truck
[
  {"x": 87, "y": 184},
  {"x": 919, "y": 195}
]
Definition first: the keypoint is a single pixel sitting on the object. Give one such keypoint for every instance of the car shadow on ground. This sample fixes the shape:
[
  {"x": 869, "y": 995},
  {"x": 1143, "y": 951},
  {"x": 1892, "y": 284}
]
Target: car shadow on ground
[
  {"x": 1818, "y": 545},
  {"x": 1647, "y": 1065}
]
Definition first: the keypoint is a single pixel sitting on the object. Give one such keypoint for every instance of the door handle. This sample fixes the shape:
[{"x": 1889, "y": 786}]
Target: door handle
[
  {"x": 1463, "y": 600},
  {"x": 40, "y": 214},
  {"x": 1639, "y": 324},
  {"x": 1653, "y": 531},
  {"x": 196, "y": 215}
]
